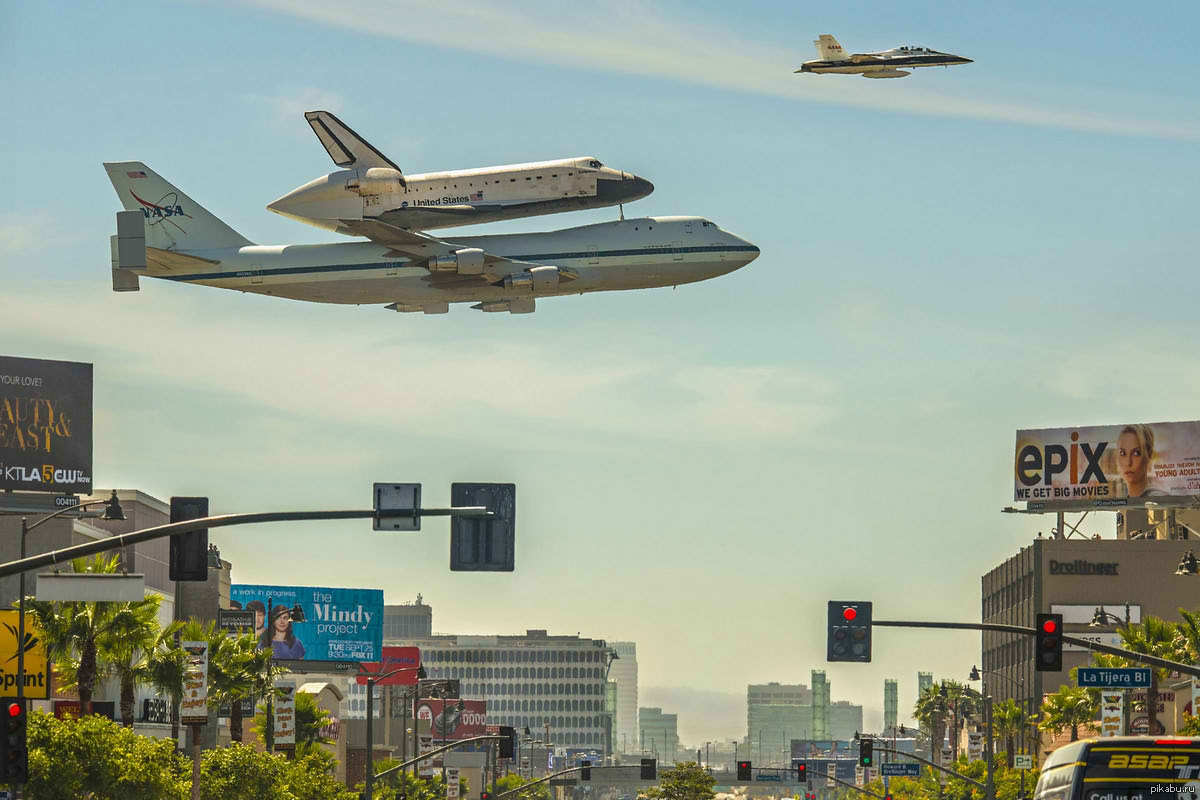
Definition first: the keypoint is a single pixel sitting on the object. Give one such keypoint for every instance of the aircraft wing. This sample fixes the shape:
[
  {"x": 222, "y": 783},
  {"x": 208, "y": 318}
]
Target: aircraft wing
[
  {"x": 425, "y": 250},
  {"x": 345, "y": 147}
]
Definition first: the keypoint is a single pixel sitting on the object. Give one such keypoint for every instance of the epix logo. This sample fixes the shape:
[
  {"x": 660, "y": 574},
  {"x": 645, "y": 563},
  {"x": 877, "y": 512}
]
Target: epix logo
[{"x": 1040, "y": 464}]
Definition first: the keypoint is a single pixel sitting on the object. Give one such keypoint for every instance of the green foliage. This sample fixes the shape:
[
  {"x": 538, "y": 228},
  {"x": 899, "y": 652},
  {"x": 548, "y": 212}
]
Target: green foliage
[
  {"x": 513, "y": 780},
  {"x": 926, "y": 787},
  {"x": 685, "y": 781},
  {"x": 96, "y": 758},
  {"x": 239, "y": 771},
  {"x": 406, "y": 787},
  {"x": 1069, "y": 707},
  {"x": 310, "y": 718}
]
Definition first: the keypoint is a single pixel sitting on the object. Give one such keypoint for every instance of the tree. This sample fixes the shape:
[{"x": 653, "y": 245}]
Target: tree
[
  {"x": 962, "y": 702},
  {"x": 94, "y": 757},
  {"x": 685, "y": 781},
  {"x": 1069, "y": 707},
  {"x": 1155, "y": 637},
  {"x": 129, "y": 645},
  {"x": 310, "y": 719},
  {"x": 240, "y": 771},
  {"x": 74, "y": 630},
  {"x": 1009, "y": 721},
  {"x": 238, "y": 670},
  {"x": 931, "y": 711},
  {"x": 167, "y": 663}
]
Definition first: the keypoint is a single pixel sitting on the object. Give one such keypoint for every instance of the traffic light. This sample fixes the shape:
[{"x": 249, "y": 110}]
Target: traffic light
[
  {"x": 887, "y": 796},
  {"x": 14, "y": 756},
  {"x": 485, "y": 795},
  {"x": 585, "y": 770},
  {"x": 801, "y": 771},
  {"x": 189, "y": 551},
  {"x": 483, "y": 544},
  {"x": 866, "y": 753},
  {"x": 508, "y": 743},
  {"x": 1049, "y": 643},
  {"x": 743, "y": 770},
  {"x": 649, "y": 769},
  {"x": 849, "y": 633}
]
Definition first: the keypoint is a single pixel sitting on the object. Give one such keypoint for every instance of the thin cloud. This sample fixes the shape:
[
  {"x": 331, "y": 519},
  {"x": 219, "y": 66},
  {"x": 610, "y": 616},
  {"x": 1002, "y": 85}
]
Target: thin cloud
[{"x": 634, "y": 38}]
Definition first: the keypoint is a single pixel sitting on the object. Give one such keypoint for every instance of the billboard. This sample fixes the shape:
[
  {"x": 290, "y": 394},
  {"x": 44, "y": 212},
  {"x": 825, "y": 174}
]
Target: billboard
[
  {"x": 311, "y": 623},
  {"x": 45, "y": 425},
  {"x": 405, "y": 659},
  {"x": 1107, "y": 466},
  {"x": 448, "y": 721},
  {"x": 37, "y": 664}
]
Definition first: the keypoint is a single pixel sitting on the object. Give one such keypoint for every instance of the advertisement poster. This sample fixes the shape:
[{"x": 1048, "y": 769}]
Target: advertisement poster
[
  {"x": 45, "y": 425},
  {"x": 284, "y": 718},
  {"x": 1107, "y": 466},
  {"x": 449, "y": 722},
  {"x": 405, "y": 659},
  {"x": 974, "y": 747},
  {"x": 451, "y": 783},
  {"x": 830, "y": 774},
  {"x": 37, "y": 665},
  {"x": 1112, "y": 713},
  {"x": 310, "y": 623},
  {"x": 194, "y": 708}
]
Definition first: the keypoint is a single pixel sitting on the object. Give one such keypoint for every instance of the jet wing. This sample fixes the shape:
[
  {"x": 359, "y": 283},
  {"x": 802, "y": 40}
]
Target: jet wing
[
  {"x": 422, "y": 248},
  {"x": 345, "y": 147}
]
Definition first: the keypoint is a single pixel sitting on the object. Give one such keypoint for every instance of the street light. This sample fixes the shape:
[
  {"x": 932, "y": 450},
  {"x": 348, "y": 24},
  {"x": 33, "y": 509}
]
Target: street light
[
  {"x": 1101, "y": 617},
  {"x": 112, "y": 511},
  {"x": 1188, "y": 565},
  {"x": 372, "y": 679},
  {"x": 989, "y": 791}
]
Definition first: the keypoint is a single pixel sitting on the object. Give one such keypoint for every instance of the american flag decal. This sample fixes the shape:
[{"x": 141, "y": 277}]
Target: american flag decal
[
  {"x": 477, "y": 196},
  {"x": 136, "y": 174}
]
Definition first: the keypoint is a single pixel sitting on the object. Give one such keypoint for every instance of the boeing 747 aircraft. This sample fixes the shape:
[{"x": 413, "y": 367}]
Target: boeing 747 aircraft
[
  {"x": 163, "y": 233},
  {"x": 372, "y": 188},
  {"x": 884, "y": 64}
]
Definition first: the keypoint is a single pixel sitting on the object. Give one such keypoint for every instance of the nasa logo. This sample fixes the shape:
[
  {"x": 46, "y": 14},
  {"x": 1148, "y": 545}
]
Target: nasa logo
[{"x": 167, "y": 206}]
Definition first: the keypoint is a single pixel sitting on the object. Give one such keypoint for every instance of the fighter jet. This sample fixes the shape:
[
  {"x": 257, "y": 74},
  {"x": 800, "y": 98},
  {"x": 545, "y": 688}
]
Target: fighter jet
[
  {"x": 371, "y": 187},
  {"x": 163, "y": 233},
  {"x": 885, "y": 64}
]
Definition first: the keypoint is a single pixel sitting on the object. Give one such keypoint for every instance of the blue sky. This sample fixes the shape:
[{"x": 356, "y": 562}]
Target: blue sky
[{"x": 945, "y": 258}]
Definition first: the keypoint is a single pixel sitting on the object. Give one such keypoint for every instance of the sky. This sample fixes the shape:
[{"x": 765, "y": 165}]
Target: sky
[{"x": 945, "y": 259}]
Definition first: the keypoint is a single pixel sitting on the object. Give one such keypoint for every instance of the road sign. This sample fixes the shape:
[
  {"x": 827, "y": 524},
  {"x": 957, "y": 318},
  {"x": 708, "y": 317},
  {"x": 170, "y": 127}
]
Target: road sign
[
  {"x": 1115, "y": 678},
  {"x": 767, "y": 776},
  {"x": 1023, "y": 761},
  {"x": 907, "y": 769},
  {"x": 563, "y": 781},
  {"x": 398, "y": 497}
]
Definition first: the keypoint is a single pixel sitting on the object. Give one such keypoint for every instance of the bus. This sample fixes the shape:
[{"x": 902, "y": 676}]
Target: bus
[{"x": 1122, "y": 768}]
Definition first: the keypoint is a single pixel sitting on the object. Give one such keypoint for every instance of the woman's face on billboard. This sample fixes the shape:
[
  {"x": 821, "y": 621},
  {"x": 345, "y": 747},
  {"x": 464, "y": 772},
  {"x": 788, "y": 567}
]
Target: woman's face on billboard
[{"x": 1131, "y": 461}]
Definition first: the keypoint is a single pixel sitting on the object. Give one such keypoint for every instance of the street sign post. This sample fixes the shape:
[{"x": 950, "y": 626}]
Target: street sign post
[
  {"x": 1114, "y": 678},
  {"x": 1023, "y": 761},
  {"x": 898, "y": 769},
  {"x": 398, "y": 497}
]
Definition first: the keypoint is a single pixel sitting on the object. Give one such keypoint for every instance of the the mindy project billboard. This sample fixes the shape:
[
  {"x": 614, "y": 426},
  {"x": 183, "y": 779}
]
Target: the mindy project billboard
[
  {"x": 1108, "y": 465},
  {"x": 311, "y": 623},
  {"x": 45, "y": 425}
]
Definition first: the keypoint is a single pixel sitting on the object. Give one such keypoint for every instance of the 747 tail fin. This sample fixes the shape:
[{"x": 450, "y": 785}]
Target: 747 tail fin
[{"x": 173, "y": 220}]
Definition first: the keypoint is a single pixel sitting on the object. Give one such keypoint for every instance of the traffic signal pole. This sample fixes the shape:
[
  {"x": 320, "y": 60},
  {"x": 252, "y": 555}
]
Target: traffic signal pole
[
  {"x": 1141, "y": 658},
  {"x": 927, "y": 763},
  {"x": 855, "y": 787}
]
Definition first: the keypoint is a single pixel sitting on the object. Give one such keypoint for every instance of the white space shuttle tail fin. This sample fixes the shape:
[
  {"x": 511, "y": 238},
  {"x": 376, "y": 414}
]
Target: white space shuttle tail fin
[
  {"x": 173, "y": 220},
  {"x": 829, "y": 49}
]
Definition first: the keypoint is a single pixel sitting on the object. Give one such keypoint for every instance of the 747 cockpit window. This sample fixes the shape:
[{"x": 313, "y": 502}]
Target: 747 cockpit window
[{"x": 594, "y": 164}]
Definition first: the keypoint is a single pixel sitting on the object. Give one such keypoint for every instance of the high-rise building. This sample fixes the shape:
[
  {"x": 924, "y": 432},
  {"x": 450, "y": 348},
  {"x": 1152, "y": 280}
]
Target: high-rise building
[
  {"x": 820, "y": 706},
  {"x": 890, "y": 705},
  {"x": 624, "y": 672},
  {"x": 658, "y": 734},
  {"x": 407, "y": 621},
  {"x": 778, "y": 714},
  {"x": 924, "y": 681},
  {"x": 1106, "y": 580},
  {"x": 529, "y": 681}
]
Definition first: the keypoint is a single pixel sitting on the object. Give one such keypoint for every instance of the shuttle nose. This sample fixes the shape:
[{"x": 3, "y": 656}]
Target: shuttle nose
[{"x": 626, "y": 189}]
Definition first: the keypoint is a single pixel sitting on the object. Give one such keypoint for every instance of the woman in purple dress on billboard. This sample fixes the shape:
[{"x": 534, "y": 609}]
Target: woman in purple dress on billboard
[{"x": 284, "y": 644}]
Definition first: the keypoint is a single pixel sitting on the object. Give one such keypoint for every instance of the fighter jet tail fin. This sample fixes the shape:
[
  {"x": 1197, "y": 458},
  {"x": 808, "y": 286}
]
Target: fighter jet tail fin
[
  {"x": 173, "y": 220},
  {"x": 829, "y": 49}
]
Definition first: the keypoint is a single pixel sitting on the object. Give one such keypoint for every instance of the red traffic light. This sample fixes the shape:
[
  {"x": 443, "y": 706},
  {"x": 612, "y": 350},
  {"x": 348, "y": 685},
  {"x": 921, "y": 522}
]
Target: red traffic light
[
  {"x": 849, "y": 613},
  {"x": 14, "y": 709},
  {"x": 1049, "y": 626},
  {"x": 743, "y": 765}
]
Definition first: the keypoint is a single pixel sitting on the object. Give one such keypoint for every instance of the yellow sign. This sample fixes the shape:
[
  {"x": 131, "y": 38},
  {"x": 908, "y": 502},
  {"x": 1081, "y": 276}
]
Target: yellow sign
[{"x": 37, "y": 666}]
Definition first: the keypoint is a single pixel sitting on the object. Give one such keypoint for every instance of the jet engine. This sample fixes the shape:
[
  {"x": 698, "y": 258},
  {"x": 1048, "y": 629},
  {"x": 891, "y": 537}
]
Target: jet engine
[
  {"x": 534, "y": 279},
  {"x": 468, "y": 261}
]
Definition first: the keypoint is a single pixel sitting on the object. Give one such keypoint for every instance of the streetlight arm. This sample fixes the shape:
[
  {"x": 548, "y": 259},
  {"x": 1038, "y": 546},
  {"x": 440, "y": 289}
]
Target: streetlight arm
[
  {"x": 61, "y": 511},
  {"x": 434, "y": 752}
]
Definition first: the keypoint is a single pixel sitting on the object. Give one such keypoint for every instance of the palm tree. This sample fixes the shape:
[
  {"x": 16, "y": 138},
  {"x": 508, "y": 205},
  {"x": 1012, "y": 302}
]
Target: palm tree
[
  {"x": 239, "y": 670},
  {"x": 1155, "y": 637},
  {"x": 129, "y": 645},
  {"x": 1009, "y": 720},
  {"x": 73, "y": 630},
  {"x": 1069, "y": 707},
  {"x": 963, "y": 701},
  {"x": 931, "y": 710},
  {"x": 167, "y": 664}
]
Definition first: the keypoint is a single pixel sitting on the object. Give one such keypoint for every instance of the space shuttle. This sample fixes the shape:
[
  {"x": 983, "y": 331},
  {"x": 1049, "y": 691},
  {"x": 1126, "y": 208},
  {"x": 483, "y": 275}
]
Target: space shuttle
[{"x": 370, "y": 187}]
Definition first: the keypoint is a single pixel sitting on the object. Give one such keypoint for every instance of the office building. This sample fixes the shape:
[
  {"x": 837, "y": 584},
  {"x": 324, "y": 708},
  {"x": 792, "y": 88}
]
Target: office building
[
  {"x": 659, "y": 734},
  {"x": 890, "y": 705},
  {"x": 624, "y": 672},
  {"x": 407, "y": 621}
]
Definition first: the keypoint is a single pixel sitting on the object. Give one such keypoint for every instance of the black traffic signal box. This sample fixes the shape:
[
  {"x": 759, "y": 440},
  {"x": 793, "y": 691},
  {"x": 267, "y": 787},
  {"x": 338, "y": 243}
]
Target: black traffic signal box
[
  {"x": 189, "y": 551},
  {"x": 649, "y": 769},
  {"x": 849, "y": 631},
  {"x": 1049, "y": 644},
  {"x": 508, "y": 745},
  {"x": 801, "y": 771},
  {"x": 744, "y": 768},
  {"x": 585, "y": 770},
  {"x": 484, "y": 544},
  {"x": 866, "y": 753},
  {"x": 14, "y": 753}
]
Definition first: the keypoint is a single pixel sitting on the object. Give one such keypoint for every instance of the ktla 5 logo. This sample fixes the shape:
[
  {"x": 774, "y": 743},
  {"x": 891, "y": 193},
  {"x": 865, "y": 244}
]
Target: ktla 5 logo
[{"x": 1036, "y": 464}]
